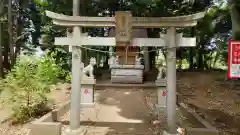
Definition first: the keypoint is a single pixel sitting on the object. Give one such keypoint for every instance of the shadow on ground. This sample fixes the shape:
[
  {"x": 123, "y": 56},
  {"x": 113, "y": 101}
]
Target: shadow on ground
[
  {"x": 112, "y": 128},
  {"x": 118, "y": 111}
]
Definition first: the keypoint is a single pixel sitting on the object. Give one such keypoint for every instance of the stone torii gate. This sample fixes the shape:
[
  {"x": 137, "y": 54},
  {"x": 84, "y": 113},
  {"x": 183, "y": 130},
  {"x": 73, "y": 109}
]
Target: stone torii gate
[{"x": 171, "y": 40}]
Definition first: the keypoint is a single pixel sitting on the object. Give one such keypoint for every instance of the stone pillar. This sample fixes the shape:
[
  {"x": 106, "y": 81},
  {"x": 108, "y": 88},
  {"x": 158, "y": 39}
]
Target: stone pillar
[
  {"x": 69, "y": 35},
  {"x": 171, "y": 81},
  {"x": 69, "y": 48},
  {"x": 146, "y": 58},
  {"x": 77, "y": 67},
  {"x": 87, "y": 92},
  {"x": 77, "y": 71}
]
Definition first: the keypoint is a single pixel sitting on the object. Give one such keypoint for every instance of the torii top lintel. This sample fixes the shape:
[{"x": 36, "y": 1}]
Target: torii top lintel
[{"x": 140, "y": 22}]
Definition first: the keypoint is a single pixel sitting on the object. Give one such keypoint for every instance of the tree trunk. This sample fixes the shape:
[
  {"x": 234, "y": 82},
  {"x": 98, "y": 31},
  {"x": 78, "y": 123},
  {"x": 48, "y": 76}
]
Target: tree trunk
[
  {"x": 10, "y": 33},
  {"x": 152, "y": 33},
  {"x": 1, "y": 37},
  {"x": 179, "y": 58},
  {"x": 1, "y": 45},
  {"x": 191, "y": 54},
  {"x": 6, "y": 53},
  {"x": 19, "y": 26},
  {"x": 235, "y": 17},
  {"x": 200, "y": 64}
]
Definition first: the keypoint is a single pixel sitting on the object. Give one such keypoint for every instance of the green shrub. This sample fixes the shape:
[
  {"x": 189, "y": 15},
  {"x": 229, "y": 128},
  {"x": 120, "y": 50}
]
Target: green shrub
[
  {"x": 28, "y": 83},
  {"x": 26, "y": 92},
  {"x": 47, "y": 71},
  {"x": 68, "y": 77}
]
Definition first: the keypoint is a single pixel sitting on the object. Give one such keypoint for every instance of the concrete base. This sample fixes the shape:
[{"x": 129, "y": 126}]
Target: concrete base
[
  {"x": 201, "y": 131},
  {"x": 45, "y": 128},
  {"x": 87, "y": 105},
  {"x": 161, "y": 82},
  {"x": 79, "y": 131},
  {"x": 161, "y": 108},
  {"x": 166, "y": 133}
]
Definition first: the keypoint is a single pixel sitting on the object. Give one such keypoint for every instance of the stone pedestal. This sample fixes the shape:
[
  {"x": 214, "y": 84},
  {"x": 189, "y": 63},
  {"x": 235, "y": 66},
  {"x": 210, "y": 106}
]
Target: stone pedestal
[
  {"x": 146, "y": 59},
  {"x": 166, "y": 133},
  {"x": 87, "y": 92},
  {"x": 162, "y": 99},
  {"x": 79, "y": 131},
  {"x": 162, "y": 95},
  {"x": 127, "y": 73}
]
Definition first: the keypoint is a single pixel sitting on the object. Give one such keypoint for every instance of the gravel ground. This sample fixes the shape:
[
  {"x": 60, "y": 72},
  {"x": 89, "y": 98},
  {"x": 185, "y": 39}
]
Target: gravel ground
[
  {"x": 118, "y": 111},
  {"x": 12, "y": 130},
  {"x": 125, "y": 111}
]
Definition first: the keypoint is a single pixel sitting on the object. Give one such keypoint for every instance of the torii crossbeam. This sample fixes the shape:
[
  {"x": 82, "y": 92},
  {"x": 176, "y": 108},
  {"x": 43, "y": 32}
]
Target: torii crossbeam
[{"x": 140, "y": 22}]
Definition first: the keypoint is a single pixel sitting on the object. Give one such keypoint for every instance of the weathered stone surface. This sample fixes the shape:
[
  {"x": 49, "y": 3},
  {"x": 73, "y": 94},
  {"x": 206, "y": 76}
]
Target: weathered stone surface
[
  {"x": 123, "y": 26},
  {"x": 88, "y": 81},
  {"x": 87, "y": 93},
  {"x": 201, "y": 131},
  {"x": 162, "y": 97},
  {"x": 79, "y": 131},
  {"x": 127, "y": 67},
  {"x": 161, "y": 82},
  {"x": 166, "y": 133},
  {"x": 144, "y": 22},
  {"x": 127, "y": 74},
  {"x": 46, "y": 128},
  {"x": 126, "y": 79}
]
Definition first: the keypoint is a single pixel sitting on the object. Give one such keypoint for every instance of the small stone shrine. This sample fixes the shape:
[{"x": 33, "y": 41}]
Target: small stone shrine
[{"x": 127, "y": 67}]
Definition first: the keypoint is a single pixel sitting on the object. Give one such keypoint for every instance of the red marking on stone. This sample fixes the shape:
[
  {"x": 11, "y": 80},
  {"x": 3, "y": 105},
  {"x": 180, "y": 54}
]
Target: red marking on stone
[
  {"x": 235, "y": 54},
  {"x": 86, "y": 91},
  {"x": 164, "y": 93}
]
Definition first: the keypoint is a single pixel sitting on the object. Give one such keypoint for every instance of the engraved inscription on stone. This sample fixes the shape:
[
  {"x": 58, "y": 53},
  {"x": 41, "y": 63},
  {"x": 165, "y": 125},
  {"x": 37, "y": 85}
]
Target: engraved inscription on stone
[
  {"x": 76, "y": 56},
  {"x": 123, "y": 26}
]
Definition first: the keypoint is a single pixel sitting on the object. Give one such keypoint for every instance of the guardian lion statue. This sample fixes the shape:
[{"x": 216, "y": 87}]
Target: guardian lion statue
[
  {"x": 88, "y": 70},
  {"x": 162, "y": 74}
]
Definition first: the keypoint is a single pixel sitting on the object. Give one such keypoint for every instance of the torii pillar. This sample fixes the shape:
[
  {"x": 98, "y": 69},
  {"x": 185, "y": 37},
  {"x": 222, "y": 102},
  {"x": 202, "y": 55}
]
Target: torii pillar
[
  {"x": 171, "y": 75},
  {"x": 77, "y": 67}
]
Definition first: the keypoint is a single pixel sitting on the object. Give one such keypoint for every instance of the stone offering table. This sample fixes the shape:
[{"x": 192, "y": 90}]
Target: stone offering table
[{"x": 127, "y": 73}]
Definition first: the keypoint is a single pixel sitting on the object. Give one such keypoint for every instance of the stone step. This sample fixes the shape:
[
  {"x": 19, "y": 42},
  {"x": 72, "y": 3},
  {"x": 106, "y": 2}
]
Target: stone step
[{"x": 126, "y": 79}]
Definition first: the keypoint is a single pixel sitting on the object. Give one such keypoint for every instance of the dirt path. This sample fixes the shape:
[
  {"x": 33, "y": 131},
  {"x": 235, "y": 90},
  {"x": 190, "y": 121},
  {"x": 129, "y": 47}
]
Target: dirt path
[
  {"x": 5, "y": 109},
  {"x": 117, "y": 112}
]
